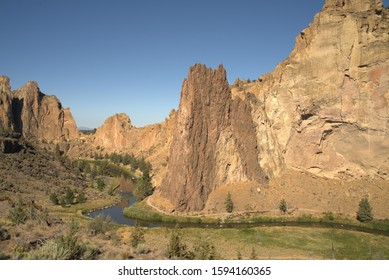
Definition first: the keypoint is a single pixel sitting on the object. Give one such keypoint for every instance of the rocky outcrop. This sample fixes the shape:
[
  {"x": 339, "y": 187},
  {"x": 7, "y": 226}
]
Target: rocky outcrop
[
  {"x": 323, "y": 110},
  {"x": 326, "y": 106},
  {"x": 114, "y": 133},
  {"x": 6, "y": 116},
  {"x": 214, "y": 141},
  {"x": 36, "y": 116}
]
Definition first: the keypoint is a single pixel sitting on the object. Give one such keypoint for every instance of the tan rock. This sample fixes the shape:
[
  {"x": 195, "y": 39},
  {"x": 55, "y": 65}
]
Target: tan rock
[
  {"x": 114, "y": 133},
  {"x": 38, "y": 117},
  {"x": 214, "y": 142},
  {"x": 6, "y": 115}
]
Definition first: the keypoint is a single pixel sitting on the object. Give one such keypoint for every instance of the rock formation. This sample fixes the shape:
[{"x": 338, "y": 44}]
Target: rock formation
[
  {"x": 214, "y": 141},
  {"x": 114, "y": 133},
  {"x": 327, "y": 103},
  {"x": 35, "y": 115},
  {"x": 323, "y": 110},
  {"x": 6, "y": 116}
]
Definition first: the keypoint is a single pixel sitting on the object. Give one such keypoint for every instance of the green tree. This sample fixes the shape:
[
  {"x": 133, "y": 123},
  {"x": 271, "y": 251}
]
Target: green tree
[
  {"x": 137, "y": 236},
  {"x": 229, "y": 203},
  {"x": 364, "y": 212},
  {"x": 282, "y": 206},
  {"x": 175, "y": 247},
  {"x": 144, "y": 187}
]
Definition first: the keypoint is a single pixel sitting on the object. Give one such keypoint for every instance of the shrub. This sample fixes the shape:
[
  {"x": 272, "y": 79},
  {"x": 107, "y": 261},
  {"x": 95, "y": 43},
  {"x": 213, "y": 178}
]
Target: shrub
[
  {"x": 364, "y": 212},
  {"x": 100, "y": 224},
  {"x": 229, "y": 203},
  {"x": 100, "y": 184},
  {"x": 329, "y": 216},
  {"x": 4, "y": 234},
  {"x": 204, "y": 250},
  {"x": 54, "y": 199},
  {"x": 81, "y": 197},
  {"x": 18, "y": 214},
  {"x": 69, "y": 196},
  {"x": 137, "y": 236},
  {"x": 142, "y": 249}
]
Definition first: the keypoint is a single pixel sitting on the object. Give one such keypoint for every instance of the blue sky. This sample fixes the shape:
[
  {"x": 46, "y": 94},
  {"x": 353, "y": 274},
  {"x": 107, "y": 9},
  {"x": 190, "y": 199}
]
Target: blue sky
[{"x": 105, "y": 57}]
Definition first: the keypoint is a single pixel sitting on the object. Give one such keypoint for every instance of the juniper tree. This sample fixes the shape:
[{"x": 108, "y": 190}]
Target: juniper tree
[
  {"x": 364, "y": 213},
  {"x": 283, "y": 207},
  {"x": 229, "y": 203}
]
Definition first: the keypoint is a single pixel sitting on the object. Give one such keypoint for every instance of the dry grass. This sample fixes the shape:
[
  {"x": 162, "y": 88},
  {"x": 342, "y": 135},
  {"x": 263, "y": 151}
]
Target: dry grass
[{"x": 304, "y": 194}]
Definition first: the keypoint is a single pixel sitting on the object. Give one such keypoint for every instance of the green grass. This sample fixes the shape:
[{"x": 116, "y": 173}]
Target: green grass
[
  {"x": 144, "y": 212},
  {"x": 299, "y": 242}
]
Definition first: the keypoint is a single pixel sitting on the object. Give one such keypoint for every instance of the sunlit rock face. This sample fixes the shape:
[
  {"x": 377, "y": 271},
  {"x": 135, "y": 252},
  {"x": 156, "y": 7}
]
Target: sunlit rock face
[
  {"x": 35, "y": 115},
  {"x": 323, "y": 110},
  {"x": 214, "y": 141}
]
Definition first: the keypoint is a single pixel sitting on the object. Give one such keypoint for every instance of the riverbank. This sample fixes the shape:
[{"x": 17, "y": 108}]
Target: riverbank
[{"x": 142, "y": 211}]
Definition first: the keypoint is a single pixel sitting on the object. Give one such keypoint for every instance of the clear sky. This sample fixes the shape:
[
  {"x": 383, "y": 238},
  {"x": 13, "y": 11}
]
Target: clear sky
[{"x": 112, "y": 56}]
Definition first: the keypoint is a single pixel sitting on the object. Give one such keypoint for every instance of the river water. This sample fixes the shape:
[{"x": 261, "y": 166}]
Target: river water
[{"x": 116, "y": 214}]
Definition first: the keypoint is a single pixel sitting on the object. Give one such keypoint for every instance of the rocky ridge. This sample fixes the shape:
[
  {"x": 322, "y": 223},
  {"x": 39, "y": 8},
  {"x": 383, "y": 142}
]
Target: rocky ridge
[{"x": 38, "y": 117}]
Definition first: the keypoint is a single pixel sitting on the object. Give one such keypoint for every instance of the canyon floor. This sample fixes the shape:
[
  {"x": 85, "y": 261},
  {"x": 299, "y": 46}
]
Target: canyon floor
[{"x": 29, "y": 177}]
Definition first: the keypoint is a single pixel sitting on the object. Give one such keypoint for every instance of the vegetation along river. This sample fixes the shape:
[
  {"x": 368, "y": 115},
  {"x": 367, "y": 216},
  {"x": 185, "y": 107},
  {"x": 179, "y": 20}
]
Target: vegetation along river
[{"x": 116, "y": 214}]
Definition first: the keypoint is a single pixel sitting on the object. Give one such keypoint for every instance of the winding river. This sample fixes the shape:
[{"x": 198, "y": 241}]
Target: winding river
[{"x": 116, "y": 213}]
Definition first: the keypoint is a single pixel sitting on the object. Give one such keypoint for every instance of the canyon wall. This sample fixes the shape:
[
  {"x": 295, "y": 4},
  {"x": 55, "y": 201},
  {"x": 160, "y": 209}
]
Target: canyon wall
[
  {"x": 38, "y": 117},
  {"x": 323, "y": 110}
]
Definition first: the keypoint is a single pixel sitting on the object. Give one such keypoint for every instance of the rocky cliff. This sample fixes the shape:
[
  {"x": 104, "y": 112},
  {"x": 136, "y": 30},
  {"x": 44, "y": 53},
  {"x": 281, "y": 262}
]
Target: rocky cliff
[
  {"x": 327, "y": 103},
  {"x": 214, "y": 141},
  {"x": 35, "y": 115},
  {"x": 6, "y": 116},
  {"x": 324, "y": 110}
]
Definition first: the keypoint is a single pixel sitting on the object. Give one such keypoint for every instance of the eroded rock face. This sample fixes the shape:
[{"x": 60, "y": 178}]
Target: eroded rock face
[
  {"x": 114, "y": 133},
  {"x": 35, "y": 115},
  {"x": 344, "y": 115},
  {"x": 6, "y": 116},
  {"x": 214, "y": 141},
  {"x": 323, "y": 110},
  {"x": 326, "y": 105}
]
